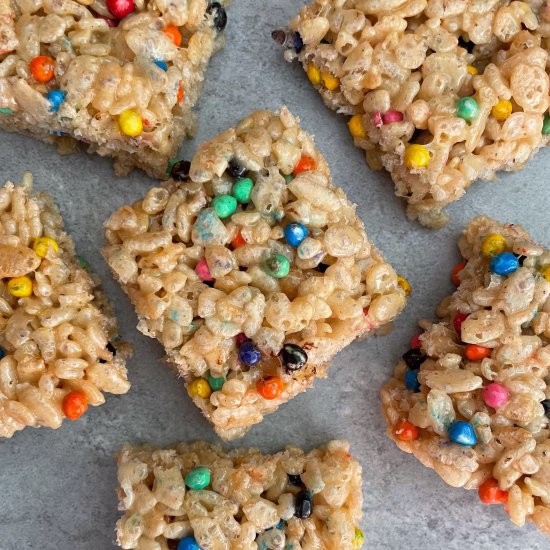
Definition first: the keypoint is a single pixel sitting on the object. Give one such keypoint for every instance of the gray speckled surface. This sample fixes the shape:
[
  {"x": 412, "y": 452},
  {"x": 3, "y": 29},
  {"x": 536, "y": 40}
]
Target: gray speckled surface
[{"x": 57, "y": 488}]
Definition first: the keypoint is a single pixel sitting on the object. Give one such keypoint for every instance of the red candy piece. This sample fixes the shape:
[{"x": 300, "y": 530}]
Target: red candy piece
[
  {"x": 120, "y": 8},
  {"x": 237, "y": 241},
  {"x": 405, "y": 431},
  {"x": 415, "y": 342},
  {"x": 392, "y": 116},
  {"x": 240, "y": 338},
  {"x": 458, "y": 320},
  {"x": 490, "y": 493},
  {"x": 477, "y": 353},
  {"x": 455, "y": 271}
]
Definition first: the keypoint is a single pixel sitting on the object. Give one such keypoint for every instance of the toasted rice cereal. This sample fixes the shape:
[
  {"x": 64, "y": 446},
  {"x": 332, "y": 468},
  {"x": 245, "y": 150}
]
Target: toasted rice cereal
[
  {"x": 58, "y": 338},
  {"x": 249, "y": 503},
  {"x": 399, "y": 67},
  {"x": 337, "y": 286},
  {"x": 150, "y": 64},
  {"x": 502, "y": 323}
]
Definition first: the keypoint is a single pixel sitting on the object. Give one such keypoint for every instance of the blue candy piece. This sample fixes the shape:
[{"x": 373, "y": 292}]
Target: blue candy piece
[
  {"x": 56, "y": 98},
  {"x": 298, "y": 42},
  {"x": 249, "y": 354},
  {"x": 188, "y": 543},
  {"x": 504, "y": 264},
  {"x": 462, "y": 433},
  {"x": 411, "y": 380},
  {"x": 2, "y": 353},
  {"x": 295, "y": 233},
  {"x": 160, "y": 64}
]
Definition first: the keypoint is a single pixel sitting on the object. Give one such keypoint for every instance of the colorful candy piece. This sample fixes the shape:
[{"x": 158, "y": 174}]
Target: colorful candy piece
[
  {"x": 216, "y": 382},
  {"x": 546, "y": 125},
  {"x": 415, "y": 342},
  {"x": 356, "y": 128},
  {"x": 249, "y": 354},
  {"x": 202, "y": 270},
  {"x": 198, "y": 478},
  {"x": 455, "y": 277},
  {"x": 295, "y": 233},
  {"x": 130, "y": 123},
  {"x": 75, "y": 405},
  {"x": 56, "y": 98},
  {"x": 188, "y": 543},
  {"x": 414, "y": 358},
  {"x": 42, "y": 68},
  {"x": 493, "y": 245},
  {"x": 330, "y": 82},
  {"x": 459, "y": 318},
  {"x": 405, "y": 431},
  {"x": 224, "y": 205},
  {"x": 504, "y": 264},
  {"x": 119, "y": 9},
  {"x": 270, "y": 388},
  {"x": 277, "y": 266},
  {"x": 411, "y": 380},
  {"x": 293, "y": 357},
  {"x": 416, "y": 157},
  {"x": 490, "y": 493},
  {"x": 305, "y": 164},
  {"x": 475, "y": 352},
  {"x": 174, "y": 34},
  {"x": 392, "y": 116},
  {"x": 43, "y": 244},
  {"x": 242, "y": 189},
  {"x": 199, "y": 388},
  {"x": 495, "y": 395},
  {"x": 20, "y": 287},
  {"x": 467, "y": 108},
  {"x": 404, "y": 284},
  {"x": 303, "y": 505},
  {"x": 502, "y": 110},
  {"x": 314, "y": 74},
  {"x": 462, "y": 433},
  {"x": 161, "y": 64}
]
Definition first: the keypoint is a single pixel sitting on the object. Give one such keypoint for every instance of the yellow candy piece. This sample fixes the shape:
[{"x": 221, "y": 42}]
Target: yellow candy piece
[
  {"x": 492, "y": 245},
  {"x": 330, "y": 82},
  {"x": 314, "y": 74},
  {"x": 416, "y": 156},
  {"x": 358, "y": 538},
  {"x": 546, "y": 272},
  {"x": 356, "y": 128},
  {"x": 20, "y": 287},
  {"x": 199, "y": 388},
  {"x": 502, "y": 110},
  {"x": 404, "y": 284},
  {"x": 130, "y": 123},
  {"x": 43, "y": 244},
  {"x": 472, "y": 70}
]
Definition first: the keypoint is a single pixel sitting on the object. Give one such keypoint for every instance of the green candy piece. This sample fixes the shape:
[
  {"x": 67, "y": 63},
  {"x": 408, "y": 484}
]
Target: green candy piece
[
  {"x": 216, "y": 383},
  {"x": 289, "y": 178},
  {"x": 277, "y": 266},
  {"x": 224, "y": 205},
  {"x": 6, "y": 111},
  {"x": 83, "y": 263},
  {"x": 241, "y": 190},
  {"x": 467, "y": 108},
  {"x": 198, "y": 478},
  {"x": 170, "y": 165},
  {"x": 546, "y": 125}
]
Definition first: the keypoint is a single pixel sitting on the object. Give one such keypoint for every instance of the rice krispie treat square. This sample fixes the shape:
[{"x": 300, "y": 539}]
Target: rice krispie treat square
[
  {"x": 58, "y": 351},
  {"x": 120, "y": 76},
  {"x": 470, "y": 398},
  {"x": 440, "y": 94},
  {"x": 199, "y": 497},
  {"x": 252, "y": 269}
]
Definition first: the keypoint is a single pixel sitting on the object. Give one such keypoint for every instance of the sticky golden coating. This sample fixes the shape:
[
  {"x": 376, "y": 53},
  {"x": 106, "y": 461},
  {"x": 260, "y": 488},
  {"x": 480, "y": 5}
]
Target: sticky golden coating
[
  {"x": 372, "y": 59},
  {"x": 508, "y": 317},
  {"x": 249, "y": 503},
  {"x": 105, "y": 72},
  {"x": 59, "y": 337},
  {"x": 338, "y": 286}
]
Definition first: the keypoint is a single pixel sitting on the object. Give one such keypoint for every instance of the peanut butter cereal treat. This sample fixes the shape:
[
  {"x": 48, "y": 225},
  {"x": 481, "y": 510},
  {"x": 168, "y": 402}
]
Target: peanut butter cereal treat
[
  {"x": 439, "y": 93},
  {"x": 57, "y": 334},
  {"x": 199, "y": 497},
  {"x": 252, "y": 269},
  {"x": 470, "y": 398},
  {"x": 120, "y": 76}
]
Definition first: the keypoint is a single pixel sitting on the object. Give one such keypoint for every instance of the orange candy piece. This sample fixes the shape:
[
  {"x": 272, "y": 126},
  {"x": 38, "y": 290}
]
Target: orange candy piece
[
  {"x": 270, "y": 388},
  {"x": 477, "y": 353},
  {"x": 305, "y": 164},
  {"x": 42, "y": 68},
  {"x": 180, "y": 93},
  {"x": 490, "y": 493},
  {"x": 173, "y": 33},
  {"x": 237, "y": 241},
  {"x": 75, "y": 405},
  {"x": 405, "y": 431},
  {"x": 455, "y": 271}
]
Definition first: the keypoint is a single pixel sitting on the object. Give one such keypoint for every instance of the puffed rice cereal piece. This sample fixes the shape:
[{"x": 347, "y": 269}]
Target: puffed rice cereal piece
[
  {"x": 252, "y": 299},
  {"x": 440, "y": 93},
  {"x": 124, "y": 84},
  {"x": 475, "y": 394},
  {"x": 58, "y": 347},
  {"x": 245, "y": 501}
]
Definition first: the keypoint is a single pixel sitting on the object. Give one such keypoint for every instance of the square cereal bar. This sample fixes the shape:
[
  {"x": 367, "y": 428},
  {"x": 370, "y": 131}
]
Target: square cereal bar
[
  {"x": 471, "y": 399},
  {"x": 252, "y": 269},
  {"x": 57, "y": 348},
  {"x": 121, "y": 76},
  {"x": 199, "y": 496},
  {"x": 440, "y": 94}
]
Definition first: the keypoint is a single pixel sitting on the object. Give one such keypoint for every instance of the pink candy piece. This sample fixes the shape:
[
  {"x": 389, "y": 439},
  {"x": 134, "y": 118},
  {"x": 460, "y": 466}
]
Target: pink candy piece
[
  {"x": 110, "y": 22},
  {"x": 202, "y": 271},
  {"x": 415, "y": 342},
  {"x": 377, "y": 119},
  {"x": 392, "y": 116},
  {"x": 495, "y": 395}
]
